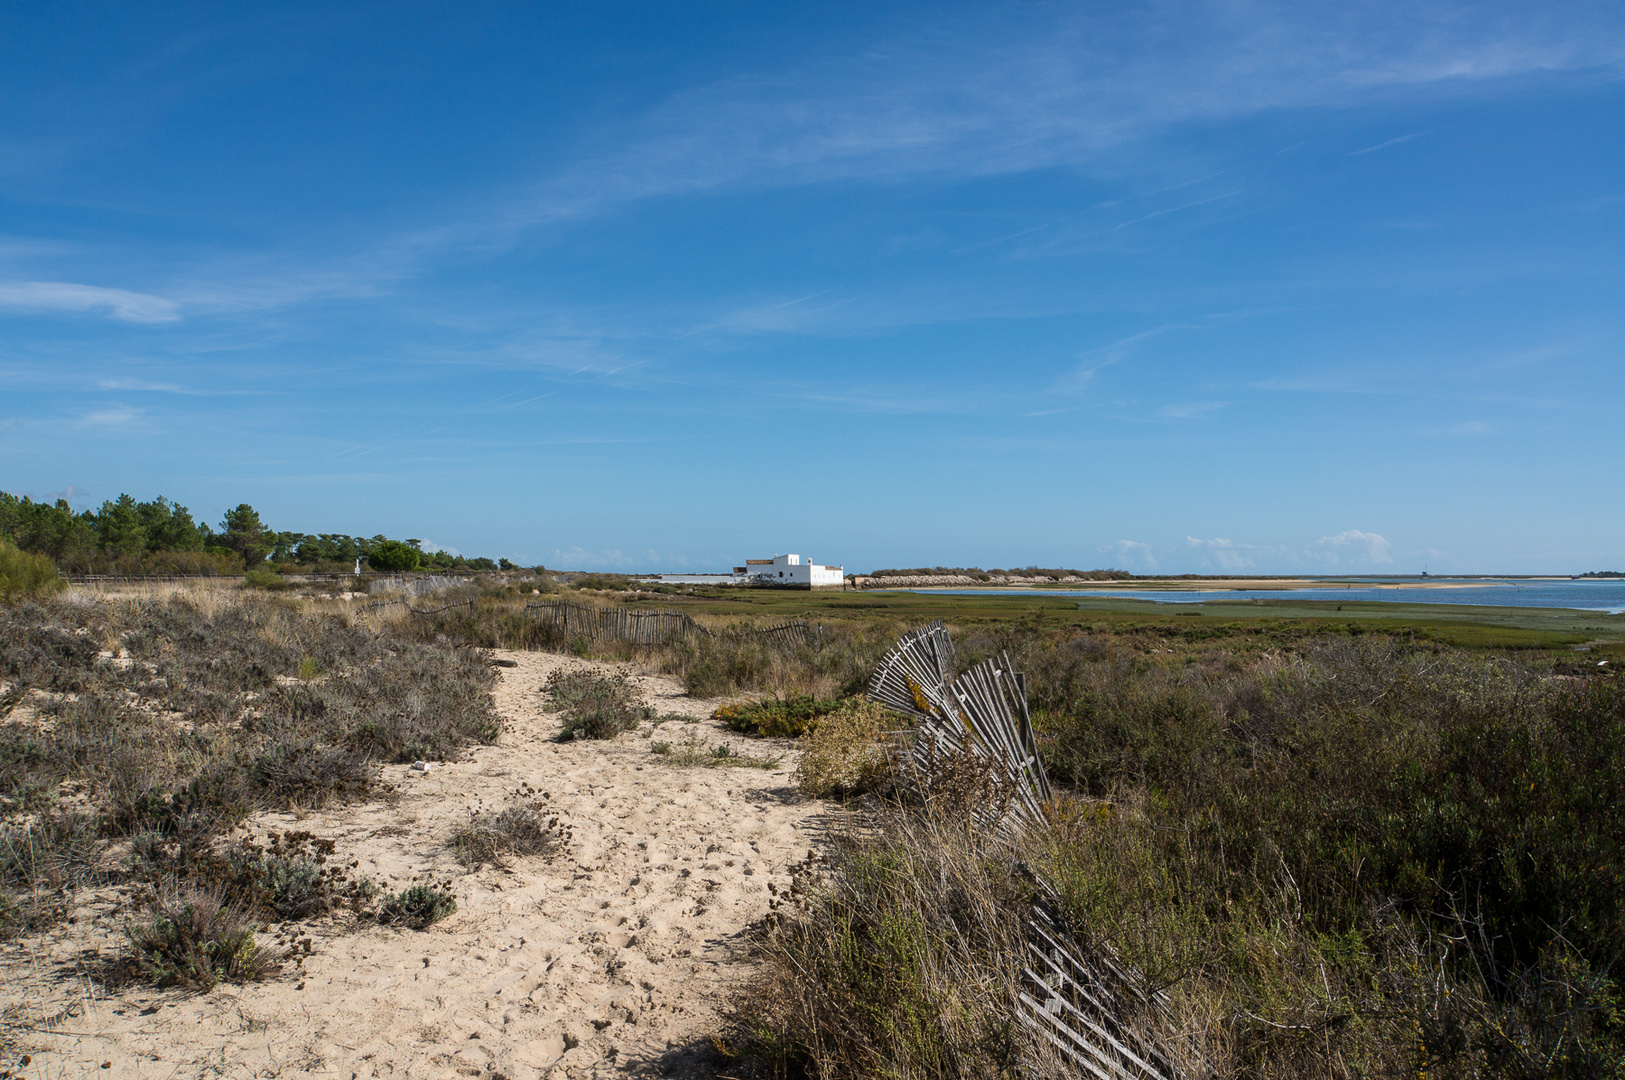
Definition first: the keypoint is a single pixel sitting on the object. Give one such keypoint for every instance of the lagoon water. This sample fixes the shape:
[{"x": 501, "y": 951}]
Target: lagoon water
[{"x": 1588, "y": 595}]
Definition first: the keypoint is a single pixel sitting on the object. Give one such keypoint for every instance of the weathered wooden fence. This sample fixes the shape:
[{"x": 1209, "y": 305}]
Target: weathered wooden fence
[
  {"x": 620, "y": 624},
  {"x": 1076, "y": 1003},
  {"x": 410, "y": 610},
  {"x": 653, "y": 627}
]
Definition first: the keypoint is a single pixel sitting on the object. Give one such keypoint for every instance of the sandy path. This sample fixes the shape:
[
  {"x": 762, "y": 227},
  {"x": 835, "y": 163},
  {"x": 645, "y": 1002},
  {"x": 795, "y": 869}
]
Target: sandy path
[{"x": 610, "y": 960}]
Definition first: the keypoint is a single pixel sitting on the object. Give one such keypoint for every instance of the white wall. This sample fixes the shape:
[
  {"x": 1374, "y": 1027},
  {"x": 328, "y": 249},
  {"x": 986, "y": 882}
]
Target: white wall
[{"x": 794, "y": 570}]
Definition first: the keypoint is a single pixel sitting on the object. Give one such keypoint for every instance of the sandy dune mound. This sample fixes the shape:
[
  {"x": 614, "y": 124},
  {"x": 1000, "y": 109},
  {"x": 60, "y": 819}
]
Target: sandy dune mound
[{"x": 610, "y": 959}]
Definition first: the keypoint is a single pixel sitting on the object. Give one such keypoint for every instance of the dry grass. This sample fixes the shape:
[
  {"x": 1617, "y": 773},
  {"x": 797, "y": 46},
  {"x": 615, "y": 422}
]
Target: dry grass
[
  {"x": 523, "y": 828},
  {"x": 897, "y": 956}
]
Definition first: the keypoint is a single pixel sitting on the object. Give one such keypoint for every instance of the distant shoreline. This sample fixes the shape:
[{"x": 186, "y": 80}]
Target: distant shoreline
[{"x": 1255, "y": 584}]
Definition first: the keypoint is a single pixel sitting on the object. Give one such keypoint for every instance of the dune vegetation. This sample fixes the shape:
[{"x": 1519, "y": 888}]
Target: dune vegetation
[{"x": 1336, "y": 852}]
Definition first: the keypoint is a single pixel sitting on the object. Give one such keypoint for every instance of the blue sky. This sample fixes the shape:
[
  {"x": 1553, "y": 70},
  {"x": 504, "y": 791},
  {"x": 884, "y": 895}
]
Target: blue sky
[{"x": 1178, "y": 287}]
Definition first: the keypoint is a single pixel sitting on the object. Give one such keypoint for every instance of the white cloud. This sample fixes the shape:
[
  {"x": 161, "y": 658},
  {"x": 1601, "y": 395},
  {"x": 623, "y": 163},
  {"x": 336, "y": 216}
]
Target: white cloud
[
  {"x": 992, "y": 97},
  {"x": 1365, "y": 546},
  {"x": 115, "y": 416},
  {"x": 1229, "y": 555},
  {"x": 68, "y": 296},
  {"x": 1133, "y": 554}
]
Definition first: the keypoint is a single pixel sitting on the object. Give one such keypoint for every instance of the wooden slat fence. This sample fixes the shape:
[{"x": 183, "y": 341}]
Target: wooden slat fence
[
  {"x": 653, "y": 627},
  {"x": 621, "y": 624},
  {"x": 1077, "y": 1004},
  {"x": 469, "y": 604}
]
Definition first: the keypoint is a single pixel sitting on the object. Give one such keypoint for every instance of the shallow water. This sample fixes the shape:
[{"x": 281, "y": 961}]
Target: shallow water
[{"x": 1588, "y": 595}]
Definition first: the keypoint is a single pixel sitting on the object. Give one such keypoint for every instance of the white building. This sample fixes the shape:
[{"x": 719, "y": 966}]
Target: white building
[{"x": 790, "y": 570}]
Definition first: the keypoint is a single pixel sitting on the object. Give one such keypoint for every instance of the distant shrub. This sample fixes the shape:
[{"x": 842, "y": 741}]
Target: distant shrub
[
  {"x": 262, "y": 579},
  {"x": 612, "y": 583},
  {"x": 788, "y": 718},
  {"x": 393, "y": 557},
  {"x": 596, "y": 706},
  {"x": 23, "y": 575}
]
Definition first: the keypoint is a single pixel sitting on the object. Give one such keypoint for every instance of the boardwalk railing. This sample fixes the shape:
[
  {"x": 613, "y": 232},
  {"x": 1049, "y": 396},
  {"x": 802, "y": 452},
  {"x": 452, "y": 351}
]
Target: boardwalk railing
[{"x": 1078, "y": 1004}]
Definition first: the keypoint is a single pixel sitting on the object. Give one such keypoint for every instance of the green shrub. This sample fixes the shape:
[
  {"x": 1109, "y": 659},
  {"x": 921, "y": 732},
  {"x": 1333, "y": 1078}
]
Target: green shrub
[
  {"x": 900, "y": 957},
  {"x": 393, "y": 557},
  {"x": 596, "y": 706},
  {"x": 786, "y": 718},
  {"x": 264, "y": 579},
  {"x": 23, "y": 575},
  {"x": 846, "y": 751},
  {"x": 417, "y": 907},
  {"x": 194, "y": 941}
]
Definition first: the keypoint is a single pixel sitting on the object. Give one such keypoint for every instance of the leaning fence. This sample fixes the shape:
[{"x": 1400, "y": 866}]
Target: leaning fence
[{"x": 1078, "y": 1003}]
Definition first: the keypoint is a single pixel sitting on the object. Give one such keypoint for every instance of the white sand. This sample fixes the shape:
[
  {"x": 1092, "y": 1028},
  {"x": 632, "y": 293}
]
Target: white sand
[{"x": 612, "y": 959}]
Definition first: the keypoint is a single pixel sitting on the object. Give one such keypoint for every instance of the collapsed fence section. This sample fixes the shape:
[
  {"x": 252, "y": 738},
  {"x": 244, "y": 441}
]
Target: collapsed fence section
[{"x": 1078, "y": 1004}]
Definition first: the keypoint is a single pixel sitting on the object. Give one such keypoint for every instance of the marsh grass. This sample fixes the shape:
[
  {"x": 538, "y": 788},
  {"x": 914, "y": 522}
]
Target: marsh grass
[
  {"x": 1351, "y": 856},
  {"x": 898, "y": 955}
]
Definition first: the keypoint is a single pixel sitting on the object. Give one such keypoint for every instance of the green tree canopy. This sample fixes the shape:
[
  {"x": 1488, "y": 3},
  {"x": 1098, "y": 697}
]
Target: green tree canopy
[
  {"x": 243, "y": 532},
  {"x": 118, "y": 528},
  {"x": 393, "y": 556}
]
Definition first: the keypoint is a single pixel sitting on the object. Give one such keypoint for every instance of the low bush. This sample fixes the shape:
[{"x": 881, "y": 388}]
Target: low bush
[
  {"x": 195, "y": 941},
  {"x": 26, "y": 576},
  {"x": 417, "y": 907},
  {"x": 846, "y": 752},
  {"x": 525, "y": 827},
  {"x": 596, "y": 706},
  {"x": 787, "y": 718},
  {"x": 694, "y": 751}
]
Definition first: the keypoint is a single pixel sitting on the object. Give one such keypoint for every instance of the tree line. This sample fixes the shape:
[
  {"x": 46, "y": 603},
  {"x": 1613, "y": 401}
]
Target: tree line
[{"x": 161, "y": 537}]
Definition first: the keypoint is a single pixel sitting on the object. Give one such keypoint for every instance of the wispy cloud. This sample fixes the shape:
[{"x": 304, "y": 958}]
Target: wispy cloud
[
  {"x": 1354, "y": 546},
  {"x": 1191, "y": 410},
  {"x": 1365, "y": 546},
  {"x": 114, "y": 416},
  {"x": 68, "y": 296},
  {"x": 988, "y": 97},
  {"x": 1390, "y": 142}
]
